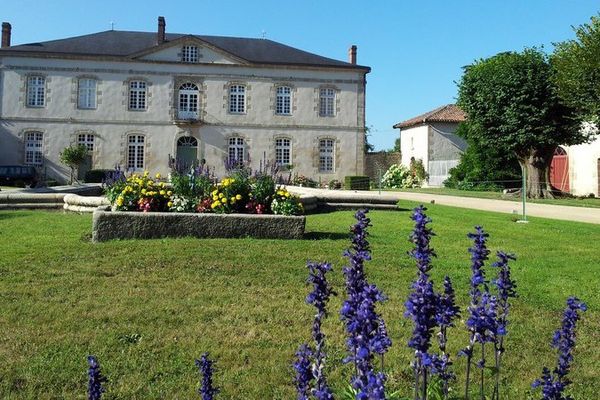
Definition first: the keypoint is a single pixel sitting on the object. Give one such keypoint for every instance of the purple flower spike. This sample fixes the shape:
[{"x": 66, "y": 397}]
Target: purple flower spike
[
  {"x": 553, "y": 383},
  {"x": 304, "y": 376},
  {"x": 205, "y": 366},
  {"x": 367, "y": 335},
  {"x": 95, "y": 379}
]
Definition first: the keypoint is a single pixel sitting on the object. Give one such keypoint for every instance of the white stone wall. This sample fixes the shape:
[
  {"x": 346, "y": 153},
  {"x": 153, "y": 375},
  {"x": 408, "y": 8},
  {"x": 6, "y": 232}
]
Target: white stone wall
[
  {"x": 111, "y": 121},
  {"x": 444, "y": 144},
  {"x": 584, "y": 163},
  {"x": 414, "y": 142}
]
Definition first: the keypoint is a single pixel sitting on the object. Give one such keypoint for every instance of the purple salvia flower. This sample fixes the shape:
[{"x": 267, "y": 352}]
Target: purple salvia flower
[
  {"x": 447, "y": 312},
  {"x": 553, "y": 383},
  {"x": 479, "y": 254},
  {"x": 421, "y": 236},
  {"x": 319, "y": 297},
  {"x": 506, "y": 289},
  {"x": 95, "y": 379},
  {"x": 304, "y": 375},
  {"x": 205, "y": 366},
  {"x": 366, "y": 338}
]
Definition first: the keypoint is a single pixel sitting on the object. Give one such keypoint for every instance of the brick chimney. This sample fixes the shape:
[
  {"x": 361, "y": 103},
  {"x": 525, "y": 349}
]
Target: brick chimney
[
  {"x": 6, "y": 28},
  {"x": 160, "y": 36},
  {"x": 352, "y": 55}
]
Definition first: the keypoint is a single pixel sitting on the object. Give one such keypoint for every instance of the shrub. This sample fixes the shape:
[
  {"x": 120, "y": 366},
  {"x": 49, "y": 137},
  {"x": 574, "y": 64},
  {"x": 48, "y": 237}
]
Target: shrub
[
  {"x": 72, "y": 157},
  {"x": 301, "y": 180},
  {"x": 357, "y": 183},
  {"x": 399, "y": 177},
  {"x": 285, "y": 203}
]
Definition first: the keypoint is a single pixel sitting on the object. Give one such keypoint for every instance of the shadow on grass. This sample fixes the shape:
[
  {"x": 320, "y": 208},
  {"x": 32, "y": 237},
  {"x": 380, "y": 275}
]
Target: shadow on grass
[
  {"x": 326, "y": 236},
  {"x": 8, "y": 214}
]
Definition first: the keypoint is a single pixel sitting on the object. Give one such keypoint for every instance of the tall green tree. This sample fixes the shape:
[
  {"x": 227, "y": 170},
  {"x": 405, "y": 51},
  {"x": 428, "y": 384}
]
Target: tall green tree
[
  {"x": 72, "y": 157},
  {"x": 577, "y": 65},
  {"x": 513, "y": 106}
]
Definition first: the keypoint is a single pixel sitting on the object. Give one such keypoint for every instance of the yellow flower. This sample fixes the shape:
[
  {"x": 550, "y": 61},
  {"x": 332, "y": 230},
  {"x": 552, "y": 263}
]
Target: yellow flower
[
  {"x": 146, "y": 173},
  {"x": 162, "y": 184},
  {"x": 162, "y": 192},
  {"x": 215, "y": 198},
  {"x": 287, "y": 194},
  {"x": 233, "y": 199},
  {"x": 224, "y": 200},
  {"x": 238, "y": 196},
  {"x": 215, "y": 204},
  {"x": 221, "y": 195},
  {"x": 169, "y": 193},
  {"x": 214, "y": 192},
  {"x": 120, "y": 201},
  {"x": 157, "y": 176},
  {"x": 170, "y": 204},
  {"x": 143, "y": 191}
]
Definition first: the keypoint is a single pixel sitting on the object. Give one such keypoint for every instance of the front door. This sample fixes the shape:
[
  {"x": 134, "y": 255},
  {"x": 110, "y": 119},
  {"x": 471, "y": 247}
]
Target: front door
[{"x": 187, "y": 151}]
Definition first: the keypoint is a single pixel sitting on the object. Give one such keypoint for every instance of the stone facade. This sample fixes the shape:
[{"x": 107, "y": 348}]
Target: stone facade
[
  {"x": 379, "y": 162},
  {"x": 112, "y": 122}
]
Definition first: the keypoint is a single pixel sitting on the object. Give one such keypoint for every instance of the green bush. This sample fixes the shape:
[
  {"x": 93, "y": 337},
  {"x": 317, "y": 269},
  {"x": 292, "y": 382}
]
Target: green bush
[
  {"x": 96, "y": 175},
  {"x": 357, "y": 183},
  {"x": 399, "y": 177}
]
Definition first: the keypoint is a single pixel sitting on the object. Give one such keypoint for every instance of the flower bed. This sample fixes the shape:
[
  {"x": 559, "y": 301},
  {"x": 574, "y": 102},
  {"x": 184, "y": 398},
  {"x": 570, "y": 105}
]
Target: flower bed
[{"x": 108, "y": 225}]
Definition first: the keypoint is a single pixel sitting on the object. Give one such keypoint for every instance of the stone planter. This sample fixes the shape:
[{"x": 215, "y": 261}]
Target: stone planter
[{"x": 108, "y": 225}]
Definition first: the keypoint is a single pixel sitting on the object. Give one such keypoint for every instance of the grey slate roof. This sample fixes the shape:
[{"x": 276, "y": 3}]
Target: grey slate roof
[{"x": 126, "y": 43}]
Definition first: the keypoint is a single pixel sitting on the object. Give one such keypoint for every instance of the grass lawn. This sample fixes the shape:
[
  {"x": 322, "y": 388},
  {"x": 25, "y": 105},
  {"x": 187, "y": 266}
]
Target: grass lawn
[
  {"x": 148, "y": 308},
  {"x": 574, "y": 201}
]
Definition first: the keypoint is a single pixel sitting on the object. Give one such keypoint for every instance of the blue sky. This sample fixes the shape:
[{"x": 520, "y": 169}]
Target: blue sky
[{"x": 415, "y": 48}]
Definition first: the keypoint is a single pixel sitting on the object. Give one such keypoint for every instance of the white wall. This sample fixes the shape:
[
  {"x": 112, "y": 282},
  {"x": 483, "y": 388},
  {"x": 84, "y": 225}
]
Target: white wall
[
  {"x": 583, "y": 168},
  {"x": 414, "y": 142}
]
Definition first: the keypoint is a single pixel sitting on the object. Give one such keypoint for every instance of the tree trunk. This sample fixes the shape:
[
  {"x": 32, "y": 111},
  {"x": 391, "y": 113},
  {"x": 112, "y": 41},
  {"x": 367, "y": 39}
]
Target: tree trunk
[{"x": 537, "y": 165}]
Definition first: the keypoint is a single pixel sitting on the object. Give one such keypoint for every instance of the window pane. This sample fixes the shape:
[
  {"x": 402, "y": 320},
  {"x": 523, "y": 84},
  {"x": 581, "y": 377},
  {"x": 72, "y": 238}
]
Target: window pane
[{"x": 36, "y": 87}]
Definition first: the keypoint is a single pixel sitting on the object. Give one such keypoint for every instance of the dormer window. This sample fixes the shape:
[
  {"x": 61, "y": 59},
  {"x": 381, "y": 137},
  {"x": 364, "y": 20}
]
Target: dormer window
[{"x": 189, "y": 54}]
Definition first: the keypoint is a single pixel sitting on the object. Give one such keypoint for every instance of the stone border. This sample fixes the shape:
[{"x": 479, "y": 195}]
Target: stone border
[
  {"x": 74, "y": 202},
  {"x": 108, "y": 225}
]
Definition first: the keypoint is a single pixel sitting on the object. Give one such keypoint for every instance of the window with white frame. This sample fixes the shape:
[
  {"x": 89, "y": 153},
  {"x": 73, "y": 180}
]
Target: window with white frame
[
  {"x": 137, "y": 95},
  {"x": 86, "y": 93},
  {"x": 135, "y": 152},
  {"x": 327, "y": 102},
  {"x": 237, "y": 99},
  {"x": 87, "y": 140},
  {"x": 283, "y": 151},
  {"x": 188, "y": 101},
  {"x": 283, "y": 102},
  {"x": 236, "y": 150},
  {"x": 326, "y": 155},
  {"x": 189, "y": 54},
  {"x": 33, "y": 148},
  {"x": 36, "y": 91}
]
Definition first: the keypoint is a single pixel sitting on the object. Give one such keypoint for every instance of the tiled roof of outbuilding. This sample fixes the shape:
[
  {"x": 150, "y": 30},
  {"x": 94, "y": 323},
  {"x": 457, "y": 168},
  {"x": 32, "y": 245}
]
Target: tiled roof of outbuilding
[
  {"x": 447, "y": 113},
  {"x": 127, "y": 43}
]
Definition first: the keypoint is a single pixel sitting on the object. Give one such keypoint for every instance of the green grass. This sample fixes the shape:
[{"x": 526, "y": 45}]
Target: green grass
[
  {"x": 148, "y": 308},
  {"x": 566, "y": 201}
]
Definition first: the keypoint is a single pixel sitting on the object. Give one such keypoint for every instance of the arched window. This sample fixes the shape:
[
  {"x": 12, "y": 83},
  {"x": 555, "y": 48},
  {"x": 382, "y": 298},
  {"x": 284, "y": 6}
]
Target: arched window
[
  {"x": 236, "y": 149},
  {"x": 188, "y": 101},
  {"x": 187, "y": 151},
  {"x": 187, "y": 141}
]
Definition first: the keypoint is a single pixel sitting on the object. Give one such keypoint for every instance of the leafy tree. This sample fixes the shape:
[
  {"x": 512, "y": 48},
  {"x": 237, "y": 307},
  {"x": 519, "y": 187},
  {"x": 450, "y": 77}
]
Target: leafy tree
[
  {"x": 483, "y": 167},
  {"x": 577, "y": 65},
  {"x": 72, "y": 157},
  {"x": 513, "y": 106},
  {"x": 397, "y": 147}
]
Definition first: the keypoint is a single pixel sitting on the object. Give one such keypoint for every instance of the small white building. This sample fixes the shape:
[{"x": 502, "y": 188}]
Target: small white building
[
  {"x": 584, "y": 167},
  {"x": 431, "y": 137},
  {"x": 135, "y": 99}
]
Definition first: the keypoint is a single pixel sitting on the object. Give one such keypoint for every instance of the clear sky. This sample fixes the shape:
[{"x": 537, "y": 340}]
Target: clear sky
[{"x": 415, "y": 48}]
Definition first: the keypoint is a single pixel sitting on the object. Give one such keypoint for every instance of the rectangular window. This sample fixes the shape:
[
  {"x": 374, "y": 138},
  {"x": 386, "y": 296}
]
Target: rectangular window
[
  {"x": 326, "y": 155},
  {"x": 87, "y": 94},
  {"x": 33, "y": 148},
  {"x": 189, "y": 54},
  {"x": 137, "y": 95},
  {"x": 135, "y": 152},
  {"x": 236, "y": 150},
  {"x": 36, "y": 91},
  {"x": 283, "y": 101},
  {"x": 87, "y": 140},
  {"x": 327, "y": 102},
  {"x": 237, "y": 99},
  {"x": 283, "y": 151}
]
